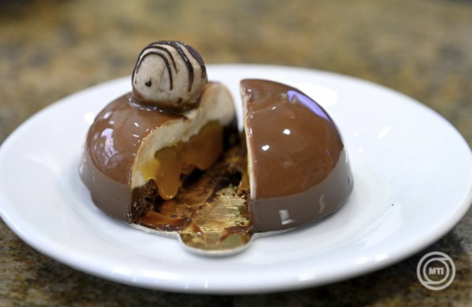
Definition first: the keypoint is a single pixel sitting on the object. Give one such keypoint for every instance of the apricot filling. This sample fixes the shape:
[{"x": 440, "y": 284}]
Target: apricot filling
[
  {"x": 200, "y": 191},
  {"x": 201, "y": 151}
]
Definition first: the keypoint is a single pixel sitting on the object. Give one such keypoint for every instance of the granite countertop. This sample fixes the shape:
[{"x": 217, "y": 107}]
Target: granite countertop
[{"x": 50, "y": 49}]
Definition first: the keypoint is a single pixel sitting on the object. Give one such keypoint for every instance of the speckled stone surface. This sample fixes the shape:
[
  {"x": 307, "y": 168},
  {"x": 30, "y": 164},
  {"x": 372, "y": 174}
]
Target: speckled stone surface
[{"x": 50, "y": 49}]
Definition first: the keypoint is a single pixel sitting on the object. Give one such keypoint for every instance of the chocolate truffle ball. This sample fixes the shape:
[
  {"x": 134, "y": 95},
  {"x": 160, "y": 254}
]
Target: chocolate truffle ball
[{"x": 170, "y": 75}]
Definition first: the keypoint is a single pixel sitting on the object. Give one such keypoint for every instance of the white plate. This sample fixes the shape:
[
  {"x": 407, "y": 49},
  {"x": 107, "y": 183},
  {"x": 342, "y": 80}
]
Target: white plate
[{"x": 412, "y": 173}]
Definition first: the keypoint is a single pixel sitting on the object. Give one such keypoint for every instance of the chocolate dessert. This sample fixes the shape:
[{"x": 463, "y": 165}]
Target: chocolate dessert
[
  {"x": 298, "y": 166},
  {"x": 167, "y": 157}
]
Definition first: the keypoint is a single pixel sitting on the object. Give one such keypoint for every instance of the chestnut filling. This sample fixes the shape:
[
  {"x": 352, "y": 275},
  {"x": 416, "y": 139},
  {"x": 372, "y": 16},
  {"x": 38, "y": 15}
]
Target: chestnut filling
[{"x": 198, "y": 189}]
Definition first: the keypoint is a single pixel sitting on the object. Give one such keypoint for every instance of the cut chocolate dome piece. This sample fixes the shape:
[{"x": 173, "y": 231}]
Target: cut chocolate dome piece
[
  {"x": 297, "y": 164},
  {"x": 166, "y": 158},
  {"x": 135, "y": 155}
]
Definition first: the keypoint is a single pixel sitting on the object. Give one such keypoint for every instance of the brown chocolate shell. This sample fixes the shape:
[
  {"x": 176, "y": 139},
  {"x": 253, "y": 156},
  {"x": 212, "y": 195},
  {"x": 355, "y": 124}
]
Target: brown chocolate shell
[{"x": 297, "y": 163}]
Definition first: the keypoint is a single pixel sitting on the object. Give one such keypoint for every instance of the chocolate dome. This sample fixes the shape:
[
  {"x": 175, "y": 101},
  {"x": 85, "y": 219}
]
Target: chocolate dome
[{"x": 297, "y": 164}]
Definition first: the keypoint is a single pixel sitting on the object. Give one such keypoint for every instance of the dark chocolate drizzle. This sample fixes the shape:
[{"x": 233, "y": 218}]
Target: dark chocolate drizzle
[
  {"x": 178, "y": 48},
  {"x": 197, "y": 57},
  {"x": 184, "y": 57},
  {"x": 168, "y": 53},
  {"x": 162, "y": 56}
]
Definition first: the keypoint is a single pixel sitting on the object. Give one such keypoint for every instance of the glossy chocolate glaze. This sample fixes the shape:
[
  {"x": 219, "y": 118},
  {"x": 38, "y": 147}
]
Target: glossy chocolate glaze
[
  {"x": 110, "y": 149},
  {"x": 117, "y": 132},
  {"x": 300, "y": 167}
]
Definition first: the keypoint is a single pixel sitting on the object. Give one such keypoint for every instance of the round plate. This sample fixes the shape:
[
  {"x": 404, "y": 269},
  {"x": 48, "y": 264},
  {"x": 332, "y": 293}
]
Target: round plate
[{"x": 412, "y": 173}]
